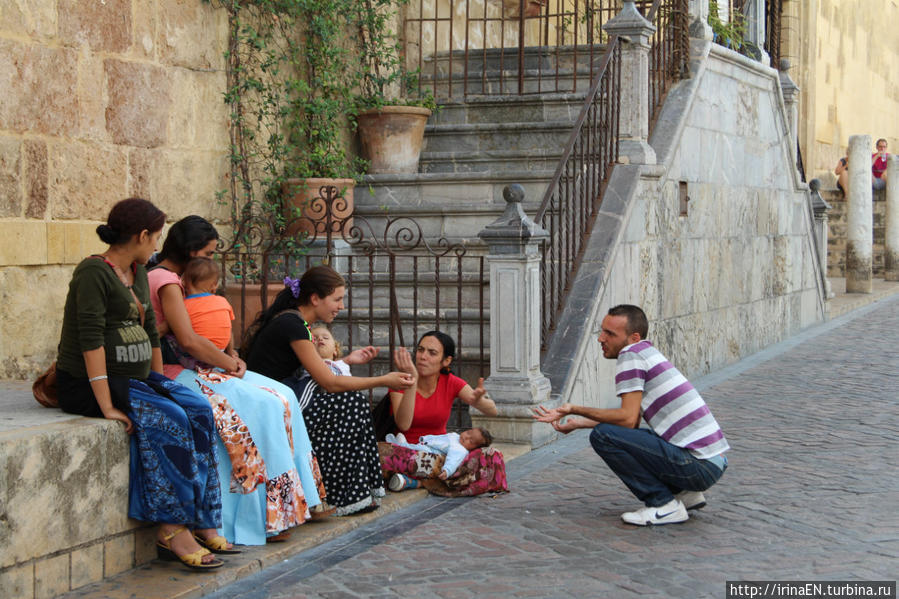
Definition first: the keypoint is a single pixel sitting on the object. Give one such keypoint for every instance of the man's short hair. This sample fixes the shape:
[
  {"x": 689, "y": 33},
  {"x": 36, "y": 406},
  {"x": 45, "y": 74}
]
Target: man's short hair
[{"x": 636, "y": 319}]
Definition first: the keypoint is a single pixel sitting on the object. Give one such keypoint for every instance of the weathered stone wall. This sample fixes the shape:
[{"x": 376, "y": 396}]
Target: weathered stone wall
[
  {"x": 736, "y": 271},
  {"x": 100, "y": 101},
  {"x": 837, "y": 232},
  {"x": 844, "y": 54}
]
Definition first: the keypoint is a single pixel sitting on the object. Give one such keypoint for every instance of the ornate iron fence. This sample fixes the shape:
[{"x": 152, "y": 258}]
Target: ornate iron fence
[
  {"x": 514, "y": 47},
  {"x": 670, "y": 53},
  {"x": 399, "y": 284}
]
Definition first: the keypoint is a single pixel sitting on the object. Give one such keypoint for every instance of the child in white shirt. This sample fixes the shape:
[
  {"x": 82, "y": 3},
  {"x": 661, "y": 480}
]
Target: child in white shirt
[{"x": 455, "y": 446}]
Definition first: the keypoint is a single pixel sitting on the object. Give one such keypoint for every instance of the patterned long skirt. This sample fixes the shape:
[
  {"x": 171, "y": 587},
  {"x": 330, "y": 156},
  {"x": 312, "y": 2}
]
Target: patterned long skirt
[
  {"x": 269, "y": 475},
  {"x": 173, "y": 476},
  {"x": 343, "y": 435}
]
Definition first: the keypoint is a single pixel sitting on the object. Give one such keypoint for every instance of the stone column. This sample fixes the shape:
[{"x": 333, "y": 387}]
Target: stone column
[
  {"x": 819, "y": 209},
  {"x": 633, "y": 125},
  {"x": 754, "y": 11},
  {"x": 515, "y": 383},
  {"x": 891, "y": 238},
  {"x": 699, "y": 19},
  {"x": 860, "y": 214}
]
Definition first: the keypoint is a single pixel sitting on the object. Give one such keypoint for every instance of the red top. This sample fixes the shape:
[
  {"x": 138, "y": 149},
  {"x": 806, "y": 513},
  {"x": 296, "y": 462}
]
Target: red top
[
  {"x": 432, "y": 413},
  {"x": 879, "y": 166}
]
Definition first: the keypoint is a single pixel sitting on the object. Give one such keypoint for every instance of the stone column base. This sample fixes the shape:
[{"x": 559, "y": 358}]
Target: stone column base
[{"x": 516, "y": 429}]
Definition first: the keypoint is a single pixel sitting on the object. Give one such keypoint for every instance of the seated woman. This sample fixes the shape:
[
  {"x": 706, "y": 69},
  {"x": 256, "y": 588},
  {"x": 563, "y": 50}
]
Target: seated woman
[
  {"x": 109, "y": 365},
  {"x": 269, "y": 474},
  {"x": 424, "y": 408},
  {"x": 279, "y": 343}
]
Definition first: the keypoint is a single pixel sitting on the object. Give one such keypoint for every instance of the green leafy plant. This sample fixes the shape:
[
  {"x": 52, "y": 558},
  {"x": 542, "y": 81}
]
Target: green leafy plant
[
  {"x": 382, "y": 78},
  {"x": 728, "y": 34}
]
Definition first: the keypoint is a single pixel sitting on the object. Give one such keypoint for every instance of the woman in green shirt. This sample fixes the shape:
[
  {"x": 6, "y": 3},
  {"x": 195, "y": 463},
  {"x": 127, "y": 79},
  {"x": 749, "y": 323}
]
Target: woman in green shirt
[{"x": 109, "y": 365}]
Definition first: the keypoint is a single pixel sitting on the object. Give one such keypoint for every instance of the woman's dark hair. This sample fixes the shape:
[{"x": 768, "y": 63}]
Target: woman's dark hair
[
  {"x": 190, "y": 234},
  {"x": 449, "y": 346},
  {"x": 128, "y": 218},
  {"x": 320, "y": 280}
]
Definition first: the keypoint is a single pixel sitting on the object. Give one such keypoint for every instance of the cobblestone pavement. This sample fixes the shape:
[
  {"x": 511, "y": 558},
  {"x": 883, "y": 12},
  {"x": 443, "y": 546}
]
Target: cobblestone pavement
[{"x": 811, "y": 493}]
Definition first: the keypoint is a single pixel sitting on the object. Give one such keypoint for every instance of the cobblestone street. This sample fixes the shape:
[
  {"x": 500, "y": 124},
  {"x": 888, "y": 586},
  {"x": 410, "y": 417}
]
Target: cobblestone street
[{"x": 811, "y": 493}]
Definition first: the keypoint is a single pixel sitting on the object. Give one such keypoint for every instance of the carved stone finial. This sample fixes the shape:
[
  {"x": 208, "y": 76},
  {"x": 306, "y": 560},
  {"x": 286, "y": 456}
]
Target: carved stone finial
[
  {"x": 784, "y": 64},
  {"x": 513, "y": 193}
]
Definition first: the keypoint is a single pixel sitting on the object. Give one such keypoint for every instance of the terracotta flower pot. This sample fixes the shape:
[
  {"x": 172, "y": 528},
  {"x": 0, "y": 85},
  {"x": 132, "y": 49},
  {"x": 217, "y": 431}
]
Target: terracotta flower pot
[
  {"x": 314, "y": 215},
  {"x": 252, "y": 301},
  {"x": 391, "y": 138}
]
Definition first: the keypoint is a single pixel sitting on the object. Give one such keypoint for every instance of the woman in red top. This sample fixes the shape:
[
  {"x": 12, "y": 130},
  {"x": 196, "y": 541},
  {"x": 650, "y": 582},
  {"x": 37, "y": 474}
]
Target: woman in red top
[{"x": 424, "y": 408}]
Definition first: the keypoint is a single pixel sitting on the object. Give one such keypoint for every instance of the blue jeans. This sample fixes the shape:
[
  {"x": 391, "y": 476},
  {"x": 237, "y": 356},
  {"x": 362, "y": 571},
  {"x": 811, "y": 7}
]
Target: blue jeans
[{"x": 652, "y": 468}]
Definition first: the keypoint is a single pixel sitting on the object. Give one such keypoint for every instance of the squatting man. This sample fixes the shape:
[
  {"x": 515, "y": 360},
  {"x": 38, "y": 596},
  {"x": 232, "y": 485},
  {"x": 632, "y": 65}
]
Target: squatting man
[{"x": 681, "y": 454}]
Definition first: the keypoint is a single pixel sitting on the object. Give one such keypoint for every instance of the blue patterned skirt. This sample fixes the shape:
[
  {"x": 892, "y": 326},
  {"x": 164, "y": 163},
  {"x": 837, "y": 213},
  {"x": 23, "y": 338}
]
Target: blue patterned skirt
[{"x": 173, "y": 472}]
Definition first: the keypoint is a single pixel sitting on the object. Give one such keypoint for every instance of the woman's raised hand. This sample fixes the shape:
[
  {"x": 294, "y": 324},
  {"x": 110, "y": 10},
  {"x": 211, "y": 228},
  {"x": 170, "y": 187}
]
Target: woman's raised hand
[
  {"x": 479, "y": 391},
  {"x": 404, "y": 362},
  {"x": 363, "y": 355}
]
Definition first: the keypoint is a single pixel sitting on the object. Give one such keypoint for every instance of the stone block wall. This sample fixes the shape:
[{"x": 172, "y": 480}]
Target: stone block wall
[
  {"x": 735, "y": 269},
  {"x": 64, "y": 497},
  {"x": 101, "y": 101},
  {"x": 836, "y": 234}
]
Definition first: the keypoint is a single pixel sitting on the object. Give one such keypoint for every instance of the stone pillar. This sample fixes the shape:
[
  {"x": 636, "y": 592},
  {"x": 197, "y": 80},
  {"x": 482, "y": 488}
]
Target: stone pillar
[
  {"x": 819, "y": 209},
  {"x": 860, "y": 215},
  {"x": 515, "y": 383},
  {"x": 891, "y": 238},
  {"x": 699, "y": 19},
  {"x": 633, "y": 125},
  {"x": 754, "y": 11},
  {"x": 791, "y": 102}
]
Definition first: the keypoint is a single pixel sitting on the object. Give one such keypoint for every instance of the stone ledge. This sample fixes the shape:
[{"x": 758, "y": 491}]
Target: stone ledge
[{"x": 63, "y": 499}]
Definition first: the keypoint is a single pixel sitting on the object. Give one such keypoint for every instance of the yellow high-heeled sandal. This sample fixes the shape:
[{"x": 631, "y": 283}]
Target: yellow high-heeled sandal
[
  {"x": 193, "y": 560},
  {"x": 217, "y": 544}
]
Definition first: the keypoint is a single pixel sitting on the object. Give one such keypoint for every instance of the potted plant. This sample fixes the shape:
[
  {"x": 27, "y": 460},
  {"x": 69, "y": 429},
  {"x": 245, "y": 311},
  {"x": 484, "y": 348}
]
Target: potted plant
[{"x": 391, "y": 121}]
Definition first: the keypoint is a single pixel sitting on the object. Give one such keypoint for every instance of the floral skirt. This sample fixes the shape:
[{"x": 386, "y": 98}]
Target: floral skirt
[
  {"x": 173, "y": 477},
  {"x": 269, "y": 475},
  {"x": 482, "y": 471},
  {"x": 342, "y": 433}
]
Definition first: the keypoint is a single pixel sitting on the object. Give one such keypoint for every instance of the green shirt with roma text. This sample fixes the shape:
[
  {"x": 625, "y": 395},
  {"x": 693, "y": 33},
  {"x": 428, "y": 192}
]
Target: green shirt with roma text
[{"x": 101, "y": 312}]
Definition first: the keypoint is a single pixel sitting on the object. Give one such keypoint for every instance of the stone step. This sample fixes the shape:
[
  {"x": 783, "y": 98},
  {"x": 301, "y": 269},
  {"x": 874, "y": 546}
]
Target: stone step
[
  {"x": 485, "y": 137},
  {"x": 497, "y": 82},
  {"x": 537, "y": 59},
  {"x": 498, "y": 160},
  {"x": 451, "y": 205},
  {"x": 505, "y": 109}
]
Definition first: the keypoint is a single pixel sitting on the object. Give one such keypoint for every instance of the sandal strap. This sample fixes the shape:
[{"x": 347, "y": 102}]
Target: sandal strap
[
  {"x": 195, "y": 558},
  {"x": 215, "y": 543},
  {"x": 174, "y": 533}
]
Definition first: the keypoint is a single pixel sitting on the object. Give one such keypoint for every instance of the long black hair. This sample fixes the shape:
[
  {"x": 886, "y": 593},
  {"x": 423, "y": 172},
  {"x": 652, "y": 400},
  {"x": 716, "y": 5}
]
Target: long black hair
[
  {"x": 190, "y": 234},
  {"x": 449, "y": 346},
  {"x": 319, "y": 280}
]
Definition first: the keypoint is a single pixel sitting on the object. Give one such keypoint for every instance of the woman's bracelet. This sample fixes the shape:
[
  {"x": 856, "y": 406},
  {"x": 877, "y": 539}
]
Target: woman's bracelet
[{"x": 97, "y": 378}]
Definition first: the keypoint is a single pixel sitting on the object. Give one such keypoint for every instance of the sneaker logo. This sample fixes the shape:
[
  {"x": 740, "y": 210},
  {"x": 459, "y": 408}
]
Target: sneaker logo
[{"x": 660, "y": 516}]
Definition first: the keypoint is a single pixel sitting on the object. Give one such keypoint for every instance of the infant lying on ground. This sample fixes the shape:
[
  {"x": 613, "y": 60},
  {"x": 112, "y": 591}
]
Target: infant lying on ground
[{"x": 455, "y": 446}]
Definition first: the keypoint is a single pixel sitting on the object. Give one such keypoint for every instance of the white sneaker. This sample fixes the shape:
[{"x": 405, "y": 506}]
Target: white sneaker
[
  {"x": 692, "y": 500},
  {"x": 670, "y": 513}
]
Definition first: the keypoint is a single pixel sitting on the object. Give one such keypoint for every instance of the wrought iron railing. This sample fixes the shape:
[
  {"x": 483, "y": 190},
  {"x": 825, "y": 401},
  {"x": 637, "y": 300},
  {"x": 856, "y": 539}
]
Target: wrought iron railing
[
  {"x": 399, "y": 284},
  {"x": 514, "y": 47},
  {"x": 574, "y": 195},
  {"x": 670, "y": 53}
]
